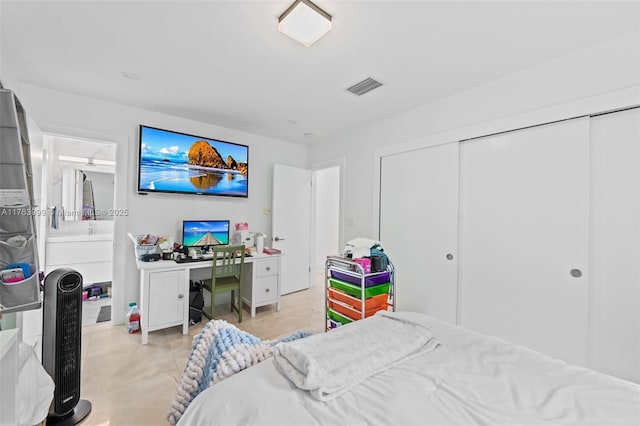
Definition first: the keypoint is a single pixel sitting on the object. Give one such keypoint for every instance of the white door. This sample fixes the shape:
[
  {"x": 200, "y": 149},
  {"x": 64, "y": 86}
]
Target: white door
[
  {"x": 524, "y": 237},
  {"x": 616, "y": 244},
  {"x": 419, "y": 227},
  {"x": 291, "y": 227}
]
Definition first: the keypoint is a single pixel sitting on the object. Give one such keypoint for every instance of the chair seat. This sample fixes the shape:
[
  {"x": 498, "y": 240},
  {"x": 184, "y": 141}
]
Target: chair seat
[{"x": 222, "y": 284}]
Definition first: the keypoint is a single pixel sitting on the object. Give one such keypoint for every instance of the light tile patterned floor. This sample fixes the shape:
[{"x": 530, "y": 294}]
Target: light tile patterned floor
[
  {"x": 91, "y": 309},
  {"x": 131, "y": 384}
]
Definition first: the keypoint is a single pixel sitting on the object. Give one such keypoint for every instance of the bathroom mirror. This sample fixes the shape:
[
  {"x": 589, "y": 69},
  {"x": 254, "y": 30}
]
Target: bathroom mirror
[{"x": 87, "y": 194}]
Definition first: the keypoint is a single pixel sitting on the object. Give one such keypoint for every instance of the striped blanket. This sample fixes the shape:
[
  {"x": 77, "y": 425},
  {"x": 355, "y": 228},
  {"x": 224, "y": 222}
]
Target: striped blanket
[{"x": 219, "y": 351}]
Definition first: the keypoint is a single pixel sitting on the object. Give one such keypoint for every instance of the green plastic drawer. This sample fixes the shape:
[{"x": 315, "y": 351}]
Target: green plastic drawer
[
  {"x": 356, "y": 291},
  {"x": 338, "y": 317}
]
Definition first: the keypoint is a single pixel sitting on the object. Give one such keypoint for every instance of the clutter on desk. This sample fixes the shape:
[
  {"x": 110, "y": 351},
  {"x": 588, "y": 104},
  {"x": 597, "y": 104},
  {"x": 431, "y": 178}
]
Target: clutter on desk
[
  {"x": 260, "y": 237},
  {"x": 150, "y": 247}
]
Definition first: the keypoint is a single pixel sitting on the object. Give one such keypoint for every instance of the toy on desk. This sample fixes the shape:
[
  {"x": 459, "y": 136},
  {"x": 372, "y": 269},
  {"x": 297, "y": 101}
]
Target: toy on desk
[{"x": 242, "y": 226}]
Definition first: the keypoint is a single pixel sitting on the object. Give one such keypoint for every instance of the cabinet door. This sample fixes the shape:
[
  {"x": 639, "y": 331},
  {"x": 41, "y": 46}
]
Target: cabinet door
[
  {"x": 524, "y": 237},
  {"x": 419, "y": 227},
  {"x": 616, "y": 244},
  {"x": 166, "y": 298}
]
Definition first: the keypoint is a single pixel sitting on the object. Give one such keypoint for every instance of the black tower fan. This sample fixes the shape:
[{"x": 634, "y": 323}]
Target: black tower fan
[{"x": 61, "y": 343}]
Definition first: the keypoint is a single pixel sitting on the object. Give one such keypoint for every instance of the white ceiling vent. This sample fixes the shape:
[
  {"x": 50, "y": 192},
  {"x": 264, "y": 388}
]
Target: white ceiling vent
[{"x": 366, "y": 85}]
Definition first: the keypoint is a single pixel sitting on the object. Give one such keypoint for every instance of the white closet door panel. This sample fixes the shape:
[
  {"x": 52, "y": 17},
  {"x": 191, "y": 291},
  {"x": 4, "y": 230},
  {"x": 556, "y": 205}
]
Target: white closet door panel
[
  {"x": 419, "y": 227},
  {"x": 524, "y": 227},
  {"x": 615, "y": 142}
]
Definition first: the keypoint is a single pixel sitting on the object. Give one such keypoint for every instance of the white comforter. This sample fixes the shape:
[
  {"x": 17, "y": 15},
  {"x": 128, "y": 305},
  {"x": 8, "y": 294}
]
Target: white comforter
[{"x": 469, "y": 379}]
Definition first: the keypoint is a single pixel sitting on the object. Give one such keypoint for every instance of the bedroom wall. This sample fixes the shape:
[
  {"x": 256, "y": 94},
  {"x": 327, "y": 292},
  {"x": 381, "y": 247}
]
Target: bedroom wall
[
  {"x": 602, "y": 68},
  {"x": 78, "y": 116}
]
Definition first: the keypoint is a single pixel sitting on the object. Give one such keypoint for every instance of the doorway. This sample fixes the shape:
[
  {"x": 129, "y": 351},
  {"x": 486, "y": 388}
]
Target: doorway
[
  {"x": 327, "y": 217},
  {"x": 79, "y": 192}
]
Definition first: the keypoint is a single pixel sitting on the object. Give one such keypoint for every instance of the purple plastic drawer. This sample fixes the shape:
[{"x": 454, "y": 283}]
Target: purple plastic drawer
[{"x": 370, "y": 279}]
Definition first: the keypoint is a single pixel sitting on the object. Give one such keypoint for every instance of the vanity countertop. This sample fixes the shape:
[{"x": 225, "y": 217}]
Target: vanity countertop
[{"x": 71, "y": 238}]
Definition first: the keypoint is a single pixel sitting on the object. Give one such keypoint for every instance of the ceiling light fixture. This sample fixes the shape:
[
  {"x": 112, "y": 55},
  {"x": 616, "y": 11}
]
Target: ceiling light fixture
[{"x": 304, "y": 22}]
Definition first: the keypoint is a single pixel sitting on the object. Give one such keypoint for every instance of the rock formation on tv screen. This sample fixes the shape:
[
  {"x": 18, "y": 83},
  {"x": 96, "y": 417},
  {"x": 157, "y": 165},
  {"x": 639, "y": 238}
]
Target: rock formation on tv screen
[{"x": 203, "y": 154}]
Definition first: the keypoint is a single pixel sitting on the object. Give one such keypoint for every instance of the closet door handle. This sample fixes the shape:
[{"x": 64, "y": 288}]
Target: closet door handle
[
  {"x": 575, "y": 273},
  {"x": 278, "y": 239}
]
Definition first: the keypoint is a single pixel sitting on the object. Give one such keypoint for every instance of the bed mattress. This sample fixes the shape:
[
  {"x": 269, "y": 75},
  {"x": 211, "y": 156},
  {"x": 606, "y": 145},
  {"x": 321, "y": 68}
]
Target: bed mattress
[{"x": 469, "y": 379}]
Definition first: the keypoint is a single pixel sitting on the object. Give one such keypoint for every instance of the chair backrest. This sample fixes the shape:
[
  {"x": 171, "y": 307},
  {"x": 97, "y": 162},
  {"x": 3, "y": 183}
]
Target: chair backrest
[{"x": 228, "y": 262}]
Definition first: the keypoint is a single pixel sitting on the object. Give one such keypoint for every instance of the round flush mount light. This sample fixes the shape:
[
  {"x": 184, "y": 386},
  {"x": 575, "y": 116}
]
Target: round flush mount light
[
  {"x": 292, "y": 122},
  {"x": 308, "y": 135},
  {"x": 130, "y": 75}
]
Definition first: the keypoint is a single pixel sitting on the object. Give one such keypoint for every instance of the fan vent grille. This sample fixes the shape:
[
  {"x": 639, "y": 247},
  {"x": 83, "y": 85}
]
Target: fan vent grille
[{"x": 365, "y": 86}]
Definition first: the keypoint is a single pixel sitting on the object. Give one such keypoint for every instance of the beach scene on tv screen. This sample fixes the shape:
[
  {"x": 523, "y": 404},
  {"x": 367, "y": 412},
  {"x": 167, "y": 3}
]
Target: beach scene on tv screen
[
  {"x": 175, "y": 162},
  {"x": 205, "y": 233}
]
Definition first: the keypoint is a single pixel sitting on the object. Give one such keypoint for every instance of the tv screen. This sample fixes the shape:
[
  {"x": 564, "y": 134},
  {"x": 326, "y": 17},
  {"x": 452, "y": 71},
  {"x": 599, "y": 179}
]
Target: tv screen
[
  {"x": 187, "y": 164},
  {"x": 204, "y": 233}
]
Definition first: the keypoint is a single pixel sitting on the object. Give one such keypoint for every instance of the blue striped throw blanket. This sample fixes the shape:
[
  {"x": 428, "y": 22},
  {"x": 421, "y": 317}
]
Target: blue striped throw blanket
[{"x": 219, "y": 351}]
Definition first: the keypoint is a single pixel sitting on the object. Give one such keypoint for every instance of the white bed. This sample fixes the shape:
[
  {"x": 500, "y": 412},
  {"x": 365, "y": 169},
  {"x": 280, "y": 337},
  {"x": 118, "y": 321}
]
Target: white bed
[{"x": 468, "y": 379}]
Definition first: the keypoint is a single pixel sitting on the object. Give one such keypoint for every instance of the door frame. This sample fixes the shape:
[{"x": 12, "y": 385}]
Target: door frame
[{"x": 121, "y": 182}]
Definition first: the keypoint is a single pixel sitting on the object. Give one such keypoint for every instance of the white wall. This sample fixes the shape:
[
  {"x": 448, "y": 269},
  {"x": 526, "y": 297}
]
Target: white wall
[
  {"x": 600, "y": 69},
  {"x": 77, "y": 116}
]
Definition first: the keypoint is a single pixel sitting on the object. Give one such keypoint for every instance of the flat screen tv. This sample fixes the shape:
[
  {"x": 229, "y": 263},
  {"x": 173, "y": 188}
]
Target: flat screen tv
[
  {"x": 180, "y": 163},
  {"x": 205, "y": 233}
]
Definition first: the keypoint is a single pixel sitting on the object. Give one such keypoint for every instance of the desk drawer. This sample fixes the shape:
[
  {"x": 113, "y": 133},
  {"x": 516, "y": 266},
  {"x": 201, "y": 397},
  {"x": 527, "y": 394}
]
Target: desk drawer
[
  {"x": 265, "y": 268},
  {"x": 265, "y": 289}
]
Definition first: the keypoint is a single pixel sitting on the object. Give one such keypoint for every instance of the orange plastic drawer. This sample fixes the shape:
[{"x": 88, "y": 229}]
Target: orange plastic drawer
[
  {"x": 352, "y": 313},
  {"x": 370, "y": 303}
]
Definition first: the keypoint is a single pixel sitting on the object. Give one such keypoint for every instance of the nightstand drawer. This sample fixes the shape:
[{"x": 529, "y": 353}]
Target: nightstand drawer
[
  {"x": 265, "y": 289},
  {"x": 265, "y": 268}
]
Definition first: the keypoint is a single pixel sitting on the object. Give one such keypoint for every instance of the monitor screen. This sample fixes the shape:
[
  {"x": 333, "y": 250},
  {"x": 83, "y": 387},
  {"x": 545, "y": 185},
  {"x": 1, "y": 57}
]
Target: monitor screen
[{"x": 204, "y": 233}]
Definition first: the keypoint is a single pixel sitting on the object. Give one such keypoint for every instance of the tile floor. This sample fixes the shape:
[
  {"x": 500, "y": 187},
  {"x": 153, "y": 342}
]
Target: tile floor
[
  {"x": 91, "y": 309},
  {"x": 131, "y": 384}
]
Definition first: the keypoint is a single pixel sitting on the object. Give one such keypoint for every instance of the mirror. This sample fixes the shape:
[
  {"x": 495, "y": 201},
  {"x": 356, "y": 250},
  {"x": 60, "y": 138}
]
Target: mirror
[{"x": 87, "y": 194}]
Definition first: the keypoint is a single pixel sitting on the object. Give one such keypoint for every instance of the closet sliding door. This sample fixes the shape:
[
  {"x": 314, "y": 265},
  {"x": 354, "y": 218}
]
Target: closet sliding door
[
  {"x": 615, "y": 143},
  {"x": 524, "y": 237},
  {"x": 419, "y": 227}
]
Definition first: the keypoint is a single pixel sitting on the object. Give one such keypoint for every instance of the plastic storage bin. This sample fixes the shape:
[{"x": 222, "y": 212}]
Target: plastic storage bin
[
  {"x": 356, "y": 290},
  {"x": 370, "y": 303},
  {"x": 369, "y": 280},
  {"x": 353, "y": 313},
  {"x": 338, "y": 317}
]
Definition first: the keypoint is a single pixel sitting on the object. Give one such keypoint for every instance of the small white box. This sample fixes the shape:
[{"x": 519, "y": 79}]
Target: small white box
[{"x": 243, "y": 238}]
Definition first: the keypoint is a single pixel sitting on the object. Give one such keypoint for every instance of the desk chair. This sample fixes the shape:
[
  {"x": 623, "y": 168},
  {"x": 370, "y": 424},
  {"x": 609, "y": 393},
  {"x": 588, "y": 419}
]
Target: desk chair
[{"x": 226, "y": 275}]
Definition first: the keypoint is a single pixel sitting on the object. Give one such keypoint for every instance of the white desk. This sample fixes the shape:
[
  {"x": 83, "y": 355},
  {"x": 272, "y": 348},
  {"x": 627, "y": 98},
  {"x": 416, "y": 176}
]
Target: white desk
[{"x": 164, "y": 290}]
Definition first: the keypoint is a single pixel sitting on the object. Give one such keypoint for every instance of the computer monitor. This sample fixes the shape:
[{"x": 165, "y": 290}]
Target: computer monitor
[{"x": 205, "y": 233}]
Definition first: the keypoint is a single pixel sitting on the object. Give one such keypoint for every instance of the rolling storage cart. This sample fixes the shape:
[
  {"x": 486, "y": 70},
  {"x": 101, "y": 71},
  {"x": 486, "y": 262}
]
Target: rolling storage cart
[
  {"x": 19, "y": 273},
  {"x": 351, "y": 294}
]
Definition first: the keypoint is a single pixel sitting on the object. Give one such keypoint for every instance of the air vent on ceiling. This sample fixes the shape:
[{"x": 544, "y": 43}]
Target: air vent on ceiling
[{"x": 366, "y": 85}]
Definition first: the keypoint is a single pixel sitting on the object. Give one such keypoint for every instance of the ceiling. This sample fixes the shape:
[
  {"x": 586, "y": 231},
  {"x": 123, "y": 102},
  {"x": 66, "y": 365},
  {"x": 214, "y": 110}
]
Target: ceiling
[
  {"x": 225, "y": 63},
  {"x": 83, "y": 148}
]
